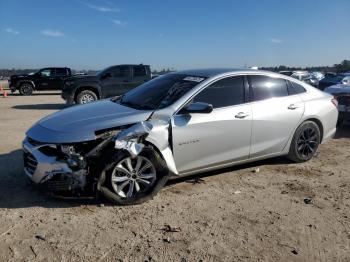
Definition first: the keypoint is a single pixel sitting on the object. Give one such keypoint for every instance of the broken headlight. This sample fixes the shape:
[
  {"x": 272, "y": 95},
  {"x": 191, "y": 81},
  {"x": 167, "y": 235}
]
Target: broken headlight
[{"x": 68, "y": 149}]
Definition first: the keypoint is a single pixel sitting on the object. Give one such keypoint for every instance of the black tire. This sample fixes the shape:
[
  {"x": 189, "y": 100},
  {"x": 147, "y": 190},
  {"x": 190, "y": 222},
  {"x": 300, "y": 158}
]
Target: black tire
[
  {"x": 26, "y": 89},
  {"x": 105, "y": 181},
  {"x": 86, "y": 96},
  {"x": 305, "y": 142}
]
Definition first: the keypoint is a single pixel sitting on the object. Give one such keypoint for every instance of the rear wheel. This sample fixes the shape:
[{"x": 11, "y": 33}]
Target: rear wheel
[
  {"x": 26, "y": 89},
  {"x": 305, "y": 142},
  {"x": 86, "y": 96},
  {"x": 128, "y": 181}
]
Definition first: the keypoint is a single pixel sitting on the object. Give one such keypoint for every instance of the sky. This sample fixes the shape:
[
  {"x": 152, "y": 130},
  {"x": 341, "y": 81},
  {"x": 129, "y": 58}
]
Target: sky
[{"x": 91, "y": 34}]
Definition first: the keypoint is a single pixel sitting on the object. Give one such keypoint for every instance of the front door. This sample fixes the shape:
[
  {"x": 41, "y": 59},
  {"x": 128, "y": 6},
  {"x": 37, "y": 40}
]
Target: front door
[
  {"x": 46, "y": 79},
  {"x": 222, "y": 136},
  {"x": 117, "y": 81}
]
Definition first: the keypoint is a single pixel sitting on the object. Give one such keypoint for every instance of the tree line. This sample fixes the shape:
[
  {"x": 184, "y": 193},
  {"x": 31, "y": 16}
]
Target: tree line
[{"x": 344, "y": 66}]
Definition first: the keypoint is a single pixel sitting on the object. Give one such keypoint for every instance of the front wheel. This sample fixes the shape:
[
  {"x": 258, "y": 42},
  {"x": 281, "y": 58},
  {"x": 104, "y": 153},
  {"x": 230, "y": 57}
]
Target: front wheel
[
  {"x": 86, "y": 96},
  {"x": 129, "y": 181},
  {"x": 26, "y": 89},
  {"x": 305, "y": 142}
]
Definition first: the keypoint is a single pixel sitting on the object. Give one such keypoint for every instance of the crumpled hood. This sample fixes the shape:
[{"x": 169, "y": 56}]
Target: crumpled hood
[{"x": 79, "y": 123}]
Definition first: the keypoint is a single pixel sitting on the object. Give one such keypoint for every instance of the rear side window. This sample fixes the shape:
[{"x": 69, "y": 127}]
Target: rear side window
[
  {"x": 140, "y": 71},
  {"x": 61, "y": 71},
  {"x": 122, "y": 71},
  {"x": 265, "y": 87},
  {"x": 295, "y": 88},
  {"x": 225, "y": 92}
]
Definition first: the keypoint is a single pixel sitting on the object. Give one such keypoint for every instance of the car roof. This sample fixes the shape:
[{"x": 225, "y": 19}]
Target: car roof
[{"x": 210, "y": 72}]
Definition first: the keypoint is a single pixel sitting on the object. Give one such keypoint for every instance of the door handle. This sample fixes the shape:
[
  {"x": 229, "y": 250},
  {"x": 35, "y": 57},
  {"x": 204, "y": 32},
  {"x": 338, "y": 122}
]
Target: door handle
[
  {"x": 292, "y": 107},
  {"x": 241, "y": 115}
]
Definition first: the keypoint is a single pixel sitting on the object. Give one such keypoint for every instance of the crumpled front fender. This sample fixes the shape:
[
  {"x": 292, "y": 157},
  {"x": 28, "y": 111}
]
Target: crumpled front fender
[{"x": 156, "y": 132}]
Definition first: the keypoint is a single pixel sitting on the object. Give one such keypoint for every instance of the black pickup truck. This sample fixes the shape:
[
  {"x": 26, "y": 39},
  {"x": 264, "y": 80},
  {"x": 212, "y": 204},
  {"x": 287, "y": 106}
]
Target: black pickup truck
[
  {"x": 50, "y": 78},
  {"x": 112, "y": 81}
]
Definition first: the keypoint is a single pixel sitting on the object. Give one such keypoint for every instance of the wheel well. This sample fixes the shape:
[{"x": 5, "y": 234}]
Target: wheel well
[
  {"x": 146, "y": 143},
  {"x": 85, "y": 88},
  {"x": 319, "y": 124}
]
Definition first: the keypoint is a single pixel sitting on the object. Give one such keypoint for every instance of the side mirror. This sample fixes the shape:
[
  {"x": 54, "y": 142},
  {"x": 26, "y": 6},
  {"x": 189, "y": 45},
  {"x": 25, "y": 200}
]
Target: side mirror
[{"x": 198, "y": 107}]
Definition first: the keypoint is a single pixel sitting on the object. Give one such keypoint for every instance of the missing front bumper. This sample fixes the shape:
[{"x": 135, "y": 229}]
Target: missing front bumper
[{"x": 48, "y": 172}]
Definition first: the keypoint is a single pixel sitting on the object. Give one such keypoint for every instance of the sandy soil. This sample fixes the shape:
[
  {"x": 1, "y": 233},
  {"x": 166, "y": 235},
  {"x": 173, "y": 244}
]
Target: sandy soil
[{"x": 284, "y": 212}]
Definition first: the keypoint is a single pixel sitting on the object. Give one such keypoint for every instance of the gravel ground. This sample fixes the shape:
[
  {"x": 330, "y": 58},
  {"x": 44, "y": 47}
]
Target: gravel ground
[{"x": 267, "y": 211}]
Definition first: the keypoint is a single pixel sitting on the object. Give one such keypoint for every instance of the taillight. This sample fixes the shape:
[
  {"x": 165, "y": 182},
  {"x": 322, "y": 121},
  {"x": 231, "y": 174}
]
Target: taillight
[{"x": 335, "y": 102}]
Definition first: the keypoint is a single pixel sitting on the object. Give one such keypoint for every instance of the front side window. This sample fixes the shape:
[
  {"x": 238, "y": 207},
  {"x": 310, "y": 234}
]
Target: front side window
[
  {"x": 265, "y": 87},
  {"x": 47, "y": 72},
  {"x": 225, "y": 92},
  {"x": 122, "y": 71}
]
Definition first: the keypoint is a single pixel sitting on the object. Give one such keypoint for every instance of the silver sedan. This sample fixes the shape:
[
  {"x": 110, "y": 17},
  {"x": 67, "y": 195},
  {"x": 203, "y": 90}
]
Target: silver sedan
[{"x": 178, "y": 124}]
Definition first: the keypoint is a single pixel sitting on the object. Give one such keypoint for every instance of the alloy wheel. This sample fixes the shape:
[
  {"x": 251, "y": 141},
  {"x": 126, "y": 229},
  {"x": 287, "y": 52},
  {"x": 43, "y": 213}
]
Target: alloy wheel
[
  {"x": 132, "y": 176},
  {"x": 307, "y": 142},
  {"x": 87, "y": 98}
]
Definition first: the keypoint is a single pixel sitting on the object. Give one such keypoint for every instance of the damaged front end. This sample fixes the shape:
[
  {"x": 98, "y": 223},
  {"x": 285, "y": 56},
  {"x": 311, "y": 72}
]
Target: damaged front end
[
  {"x": 65, "y": 169},
  {"x": 154, "y": 132},
  {"x": 48, "y": 166},
  {"x": 75, "y": 169}
]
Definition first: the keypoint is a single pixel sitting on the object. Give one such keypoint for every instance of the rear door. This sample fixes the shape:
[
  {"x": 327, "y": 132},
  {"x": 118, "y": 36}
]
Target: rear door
[
  {"x": 276, "y": 114},
  {"x": 222, "y": 136},
  {"x": 60, "y": 75},
  {"x": 140, "y": 75}
]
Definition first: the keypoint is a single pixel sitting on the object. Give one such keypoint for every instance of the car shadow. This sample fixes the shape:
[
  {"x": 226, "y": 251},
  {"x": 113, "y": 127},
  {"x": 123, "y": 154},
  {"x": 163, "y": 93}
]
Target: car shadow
[
  {"x": 16, "y": 192},
  {"x": 193, "y": 179},
  {"x": 36, "y": 94},
  {"x": 41, "y": 107}
]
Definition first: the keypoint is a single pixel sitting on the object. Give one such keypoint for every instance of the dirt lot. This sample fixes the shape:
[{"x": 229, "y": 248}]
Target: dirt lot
[{"x": 234, "y": 214}]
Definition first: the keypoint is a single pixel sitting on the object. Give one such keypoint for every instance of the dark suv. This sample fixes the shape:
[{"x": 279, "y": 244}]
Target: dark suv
[
  {"x": 112, "y": 81},
  {"x": 50, "y": 78}
]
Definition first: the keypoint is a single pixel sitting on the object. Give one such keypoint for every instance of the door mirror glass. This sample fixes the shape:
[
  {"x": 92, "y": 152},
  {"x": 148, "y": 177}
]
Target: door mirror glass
[{"x": 198, "y": 107}]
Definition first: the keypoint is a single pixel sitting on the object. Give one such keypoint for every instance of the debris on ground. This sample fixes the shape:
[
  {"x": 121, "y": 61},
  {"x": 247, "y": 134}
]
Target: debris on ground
[
  {"x": 256, "y": 170},
  {"x": 40, "y": 237},
  {"x": 237, "y": 192},
  {"x": 170, "y": 229},
  {"x": 167, "y": 239},
  {"x": 196, "y": 180},
  {"x": 307, "y": 200}
]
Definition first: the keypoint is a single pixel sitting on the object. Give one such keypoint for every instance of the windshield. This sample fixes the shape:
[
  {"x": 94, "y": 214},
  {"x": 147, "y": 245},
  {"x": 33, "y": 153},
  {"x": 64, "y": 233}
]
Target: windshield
[
  {"x": 103, "y": 71},
  {"x": 160, "y": 92}
]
